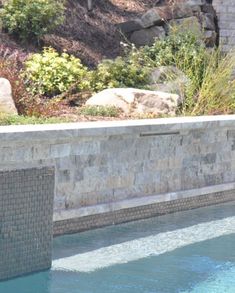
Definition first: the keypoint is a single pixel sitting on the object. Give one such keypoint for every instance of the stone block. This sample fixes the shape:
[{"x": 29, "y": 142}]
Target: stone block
[
  {"x": 130, "y": 26},
  {"x": 147, "y": 36},
  {"x": 187, "y": 24},
  {"x": 151, "y": 18},
  {"x": 208, "y": 21},
  {"x": 60, "y": 150}
]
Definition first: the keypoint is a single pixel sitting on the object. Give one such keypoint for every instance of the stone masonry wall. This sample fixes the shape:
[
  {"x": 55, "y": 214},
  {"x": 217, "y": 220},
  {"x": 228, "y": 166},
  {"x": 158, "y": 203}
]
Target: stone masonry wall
[
  {"x": 102, "y": 167},
  {"x": 225, "y": 10},
  {"x": 197, "y": 16},
  {"x": 215, "y": 18}
]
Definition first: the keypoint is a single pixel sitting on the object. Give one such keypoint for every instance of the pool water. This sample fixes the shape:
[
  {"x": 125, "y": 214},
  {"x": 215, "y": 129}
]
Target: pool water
[{"x": 190, "y": 251}]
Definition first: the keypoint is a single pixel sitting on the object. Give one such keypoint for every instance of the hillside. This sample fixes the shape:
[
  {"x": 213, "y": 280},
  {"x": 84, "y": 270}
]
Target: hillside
[
  {"x": 173, "y": 74},
  {"x": 91, "y": 36}
]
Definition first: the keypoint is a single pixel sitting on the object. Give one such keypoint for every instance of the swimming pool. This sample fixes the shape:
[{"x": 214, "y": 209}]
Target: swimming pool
[{"x": 190, "y": 251}]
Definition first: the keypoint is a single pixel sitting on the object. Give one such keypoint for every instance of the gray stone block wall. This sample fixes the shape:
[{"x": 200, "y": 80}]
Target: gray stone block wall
[
  {"x": 225, "y": 10},
  {"x": 26, "y": 208},
  {"x": 114, "y": 168},
  {"x": 102, "y": 167}
]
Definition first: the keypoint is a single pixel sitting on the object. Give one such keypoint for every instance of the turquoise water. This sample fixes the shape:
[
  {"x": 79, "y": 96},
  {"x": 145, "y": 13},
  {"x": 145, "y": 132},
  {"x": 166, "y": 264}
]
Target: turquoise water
[{"x": 185, "y": 252}]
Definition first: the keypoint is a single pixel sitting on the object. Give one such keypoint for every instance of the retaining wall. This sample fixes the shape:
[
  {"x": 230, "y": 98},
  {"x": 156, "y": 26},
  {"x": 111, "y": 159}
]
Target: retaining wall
[
  {"x": 112, "y": 172},
  {"x": 225, "y": 10}
]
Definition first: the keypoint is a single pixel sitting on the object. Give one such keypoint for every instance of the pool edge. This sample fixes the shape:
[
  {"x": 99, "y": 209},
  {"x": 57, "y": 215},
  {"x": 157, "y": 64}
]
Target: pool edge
[{"x": 123, "y": 215}]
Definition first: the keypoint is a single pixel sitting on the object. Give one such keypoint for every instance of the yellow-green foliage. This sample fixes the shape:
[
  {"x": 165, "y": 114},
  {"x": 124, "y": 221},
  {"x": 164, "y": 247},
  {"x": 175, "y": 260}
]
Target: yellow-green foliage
[
  {"x": 121, "y": 72},
  {"x": 210, "y": 89},
  {"x": 50, "y": 73},
  {"x": 31, "y": 18},
  {"x": 19, "y": 120},
  {"x": 183, "y": 50},
  {"x": 217, "y": 92},
  {"x": 105, "y": 111}
]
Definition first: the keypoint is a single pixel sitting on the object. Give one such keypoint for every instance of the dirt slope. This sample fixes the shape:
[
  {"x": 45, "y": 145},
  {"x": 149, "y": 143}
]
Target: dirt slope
[{"x": 91, "y": 36}]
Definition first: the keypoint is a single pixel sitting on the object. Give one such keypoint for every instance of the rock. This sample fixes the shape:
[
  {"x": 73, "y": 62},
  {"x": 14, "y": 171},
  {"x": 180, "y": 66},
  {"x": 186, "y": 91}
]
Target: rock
[
  {"x": 166, "y": 73},
  {"x": 158, "y": 15},
  {"x": 147, "y": 36},
  {"x": 136, "y": 101},
  {"x": 169, "y": 79},
  {"x": 173, "y": 87},
  {"x": 208, "y": 21},
  {"x": 151, "y": 18},
  {"x": 158, "y": 103},
  {"x": 187, "y": 24},
  {"x": 130, "y": 26},
  {"x": 7, "y": 105},
  {"x": 208, "y": 8},
  {"x": 191, "y": 15},
  {"x": 117, "y": 97},
  {"x": 210, "y": 38},
  {"x": 196, "y": 2},
  {"x": 182, "y": 10}
]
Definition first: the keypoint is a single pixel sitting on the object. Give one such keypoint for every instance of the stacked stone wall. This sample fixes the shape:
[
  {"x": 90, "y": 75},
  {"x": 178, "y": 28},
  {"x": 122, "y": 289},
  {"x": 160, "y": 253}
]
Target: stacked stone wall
[
  {"x": 197, "y": 16},
  {"x": 225, "y": 10},
  {"x": 215, "y": 18},
  {"x": 105, "y": 167}
]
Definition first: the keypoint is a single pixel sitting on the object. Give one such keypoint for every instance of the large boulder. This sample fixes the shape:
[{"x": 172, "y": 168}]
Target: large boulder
[
  {"x": 168, "y": 79},
  {"x": 7, "y": 105},
  {"x": 130, "y": 26},
  {"x": 136, "y": 101},
  {"x": 147, "y": 36}
]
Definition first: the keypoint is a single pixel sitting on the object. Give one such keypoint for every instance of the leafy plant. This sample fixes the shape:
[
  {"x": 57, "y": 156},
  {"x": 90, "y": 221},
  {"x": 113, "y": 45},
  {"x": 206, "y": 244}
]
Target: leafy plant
[
  {"x": 50, "y": 73},
  {"x": 31, "y": 18},
  {"x": 184, "y": 50},
  {"x": 105, "y": 111},
  {"x": 27, "y": 103},
  {"x": 122, "y": 72}
]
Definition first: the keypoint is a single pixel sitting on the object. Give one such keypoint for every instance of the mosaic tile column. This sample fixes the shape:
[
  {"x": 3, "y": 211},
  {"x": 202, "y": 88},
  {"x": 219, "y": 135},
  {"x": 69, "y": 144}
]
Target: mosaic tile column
[{"x": 26, "y": 211}]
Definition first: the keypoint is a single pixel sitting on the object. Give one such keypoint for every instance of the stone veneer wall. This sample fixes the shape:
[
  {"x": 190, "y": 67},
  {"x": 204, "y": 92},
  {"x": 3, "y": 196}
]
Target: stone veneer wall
[
  {"x": 107, "y": 169},
  {"x": 225, "y": 10}
]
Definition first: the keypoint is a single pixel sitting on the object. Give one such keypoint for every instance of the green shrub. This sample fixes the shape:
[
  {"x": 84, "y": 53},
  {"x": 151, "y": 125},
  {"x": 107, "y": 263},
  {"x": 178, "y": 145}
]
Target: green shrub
[
  {"x": 105, "y": 111},
  {"x": 32, "y": 18},
  {"x": 50, "y": 73},
  {"x": 184, "y": 50},
  {"x": 121, "y": 72}
]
